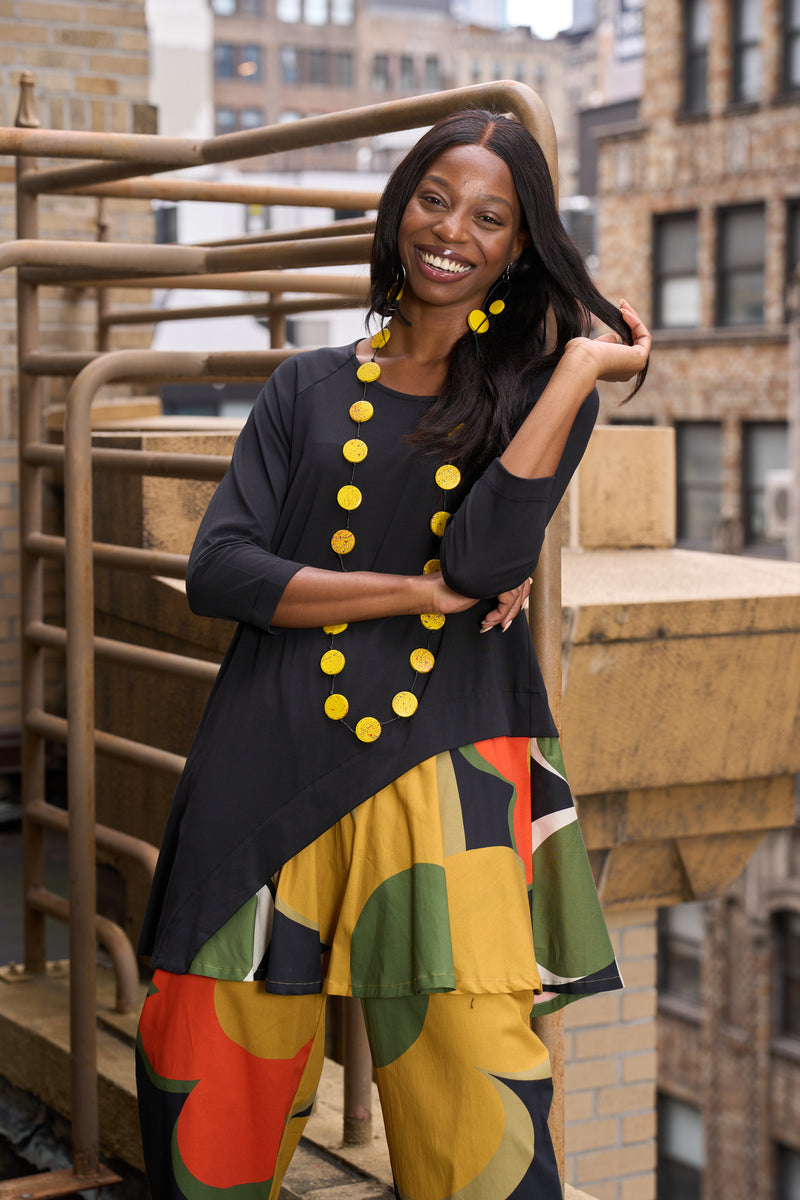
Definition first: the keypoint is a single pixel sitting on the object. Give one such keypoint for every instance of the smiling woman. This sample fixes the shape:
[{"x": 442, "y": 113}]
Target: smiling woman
[{"x": 375, "y": 803}]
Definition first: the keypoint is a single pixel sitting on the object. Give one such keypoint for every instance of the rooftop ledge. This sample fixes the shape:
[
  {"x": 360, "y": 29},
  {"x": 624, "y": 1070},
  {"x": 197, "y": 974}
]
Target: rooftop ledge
[{"x": 681, "y": 714}]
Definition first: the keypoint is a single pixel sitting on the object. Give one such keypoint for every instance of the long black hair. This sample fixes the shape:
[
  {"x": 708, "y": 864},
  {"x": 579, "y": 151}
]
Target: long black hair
[{"x": 551, "y": 297}]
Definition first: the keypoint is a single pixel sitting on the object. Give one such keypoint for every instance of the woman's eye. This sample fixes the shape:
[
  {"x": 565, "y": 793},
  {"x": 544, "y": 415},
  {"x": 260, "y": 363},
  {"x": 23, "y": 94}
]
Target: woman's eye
[
  {"x": 431, "y": 199},
  {"x": 490, "y": 219}
]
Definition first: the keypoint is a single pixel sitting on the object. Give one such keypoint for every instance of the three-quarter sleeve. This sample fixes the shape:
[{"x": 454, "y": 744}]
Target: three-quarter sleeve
[
  {"x": 233, "y": 571},
  {"x": 492, "y": 542}
]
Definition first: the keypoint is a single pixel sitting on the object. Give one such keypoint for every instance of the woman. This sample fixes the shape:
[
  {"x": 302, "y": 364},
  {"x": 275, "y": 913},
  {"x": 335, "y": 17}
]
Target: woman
[{"x": 356, "y": 815}]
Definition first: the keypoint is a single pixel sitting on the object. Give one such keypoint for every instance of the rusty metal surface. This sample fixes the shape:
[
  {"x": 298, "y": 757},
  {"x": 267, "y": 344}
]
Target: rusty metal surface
[
  {"x": 52, "y": 1184},
  {"x": 125, "y": 154}
]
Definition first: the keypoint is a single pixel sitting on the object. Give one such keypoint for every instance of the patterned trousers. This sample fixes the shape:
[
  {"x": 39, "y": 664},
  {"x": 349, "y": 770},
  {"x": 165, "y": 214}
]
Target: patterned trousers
[{"x": 227, "y": 1075}]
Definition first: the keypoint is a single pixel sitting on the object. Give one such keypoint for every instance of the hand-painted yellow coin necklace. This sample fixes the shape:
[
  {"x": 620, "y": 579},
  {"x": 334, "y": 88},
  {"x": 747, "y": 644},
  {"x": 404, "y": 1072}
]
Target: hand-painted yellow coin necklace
[{"x": 349, "y": 497}]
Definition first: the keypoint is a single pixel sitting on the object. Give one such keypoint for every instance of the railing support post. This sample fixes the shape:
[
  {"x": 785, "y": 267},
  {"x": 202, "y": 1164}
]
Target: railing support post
[{"x": 29, "y": 399}]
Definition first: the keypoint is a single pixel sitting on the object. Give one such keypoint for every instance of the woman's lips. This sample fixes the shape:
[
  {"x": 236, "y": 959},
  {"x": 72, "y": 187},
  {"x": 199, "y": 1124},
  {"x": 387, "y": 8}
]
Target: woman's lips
[{"x": 438, "y": 265}]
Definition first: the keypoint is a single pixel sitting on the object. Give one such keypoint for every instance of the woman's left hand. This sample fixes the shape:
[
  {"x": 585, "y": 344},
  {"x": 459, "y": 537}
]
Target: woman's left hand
[
  {"x": 611, "y": 359},
  {"x": 508, "y": 605}
]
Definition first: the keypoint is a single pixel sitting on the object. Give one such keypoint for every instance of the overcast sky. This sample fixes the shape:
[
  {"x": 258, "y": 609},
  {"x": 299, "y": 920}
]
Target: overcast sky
[{"x": 546, "y": 17}]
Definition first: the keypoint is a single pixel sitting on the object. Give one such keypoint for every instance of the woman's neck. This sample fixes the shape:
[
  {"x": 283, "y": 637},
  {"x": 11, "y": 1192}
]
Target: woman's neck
[{"x": 415, "y": 359}]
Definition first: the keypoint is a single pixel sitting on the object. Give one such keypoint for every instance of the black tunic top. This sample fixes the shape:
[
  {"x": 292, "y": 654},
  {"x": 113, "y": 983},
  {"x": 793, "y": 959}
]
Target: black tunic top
[{"x": 268, "y": 771}]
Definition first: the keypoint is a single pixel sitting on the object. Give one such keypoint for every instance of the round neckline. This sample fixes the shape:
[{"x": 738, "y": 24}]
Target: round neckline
[{"x": 382, "y": 386}]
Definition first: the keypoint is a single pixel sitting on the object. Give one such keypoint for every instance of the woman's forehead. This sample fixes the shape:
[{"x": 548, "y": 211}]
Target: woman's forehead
[{"x": 473, "y": 168}]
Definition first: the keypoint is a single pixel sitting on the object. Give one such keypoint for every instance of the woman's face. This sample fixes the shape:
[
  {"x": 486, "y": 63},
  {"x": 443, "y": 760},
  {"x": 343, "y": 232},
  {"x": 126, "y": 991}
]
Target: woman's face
[{"x": 461, "y": 228}]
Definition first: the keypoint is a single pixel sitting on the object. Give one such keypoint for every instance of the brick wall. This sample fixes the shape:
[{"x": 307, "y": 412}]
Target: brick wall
[
  {"x": 673, "y": 163},
  {"x": 610, "y": 1073},
  {"x": 90, "y": 63}
]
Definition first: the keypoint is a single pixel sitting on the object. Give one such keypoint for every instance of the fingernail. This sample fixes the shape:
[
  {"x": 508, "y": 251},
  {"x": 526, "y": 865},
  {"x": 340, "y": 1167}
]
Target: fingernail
[
  {"x": 624, "y": 303},
  {"x": 506, "y": 625},
  {"x": 485, "y": 628}
]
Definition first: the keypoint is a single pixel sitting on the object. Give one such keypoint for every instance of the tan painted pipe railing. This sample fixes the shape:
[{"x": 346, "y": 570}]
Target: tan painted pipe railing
[{"x": 124, "y": 166}]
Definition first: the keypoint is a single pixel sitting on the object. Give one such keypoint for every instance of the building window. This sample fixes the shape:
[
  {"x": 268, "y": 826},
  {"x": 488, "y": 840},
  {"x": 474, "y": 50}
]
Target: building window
[
  {"x": 746, "y": 51},
  {"x": 793, "y": 237},
  {"x": 290, "y": 66},
  {"x": 765, "y": 466},
  {"x": 224, "y": 8},
  {"x": 786, "y": 930},
  {"x": 697, "y": 31},
  {"x": 680, "y": 949},
  {"x": 318, "y": 66},
  {"x": 288, "y": 114},
  {"x": 791, "y": 45},
  {"x": 787, "y": 1174},
  {"x": 289, "y": 11},
  {"x": 475, "y": 71},
  {"x": 224, "y": 60},
  {"x": 681, "y": 1150},
  {"x": 232, "y": 62},
  {"x": 251, "y": 8},
  {"x": 408, "y": 75},
  {"x": 345, "y": 76},
  {"x": 380, "y": 72},
  {"x": 433, "y": 73},
  {"x": 166, "y": 219},
  {"x": 675, "y": 279},
  {"x": 699, "y": 466},
  {"x": 316, "y": 12},
  {"x": 342, "y": 12},
  {"x": 251, "y": 118},
  {"x": 249, "y": 63},
  {"x": 224, "y": 120},
  {"x": 740, "y": 270}
]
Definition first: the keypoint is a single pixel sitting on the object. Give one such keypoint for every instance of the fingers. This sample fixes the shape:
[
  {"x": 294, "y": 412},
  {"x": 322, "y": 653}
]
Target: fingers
[{"x": 509, "y": 605}]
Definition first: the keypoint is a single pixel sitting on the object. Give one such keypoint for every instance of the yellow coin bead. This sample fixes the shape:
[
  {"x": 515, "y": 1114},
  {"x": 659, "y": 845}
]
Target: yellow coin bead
[
  {"x": 361, "y": 410},
  {"x": 448, "y": 477},
  {"x": 355, "y": 451},
  {"x": 431, "y": 565},
  {"x": 478, "y": 321},
  {"x": 368, "y": 729},
  {"x": 405, "y": 704},
  {"x": 496, "y": 307},
  {"x": 432, "y": 620},
  {"x": 343, "y": 541},
  {"x": 336, "y": 706},
  {"x": 368, "y": 372},
  {"x": 422, "y": 660},
  {"x": 349, "y": 497},
  {"x": 335, "y": 628},
  {"x": 332, "y": 662},
  {"x": 438, "y": 522},
  {"x": 379, "y": 340}
]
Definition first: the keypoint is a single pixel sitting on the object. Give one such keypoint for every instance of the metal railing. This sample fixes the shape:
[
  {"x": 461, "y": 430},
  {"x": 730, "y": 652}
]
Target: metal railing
[{"x": 272, "y": 263}]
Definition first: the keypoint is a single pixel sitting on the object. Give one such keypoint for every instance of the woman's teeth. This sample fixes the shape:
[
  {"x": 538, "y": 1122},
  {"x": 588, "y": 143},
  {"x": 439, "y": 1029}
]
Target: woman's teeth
[{"x": 444, "y": 264}]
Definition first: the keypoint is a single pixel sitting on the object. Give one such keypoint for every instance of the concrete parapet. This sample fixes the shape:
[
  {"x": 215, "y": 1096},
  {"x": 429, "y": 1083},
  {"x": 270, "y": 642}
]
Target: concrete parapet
[
  {"x": 624, "y": 492},
  {"x": 681, "y": 714}
]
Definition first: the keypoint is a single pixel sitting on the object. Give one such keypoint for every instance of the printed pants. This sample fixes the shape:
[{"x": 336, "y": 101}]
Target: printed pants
[{"x": 227, "y": 1075}]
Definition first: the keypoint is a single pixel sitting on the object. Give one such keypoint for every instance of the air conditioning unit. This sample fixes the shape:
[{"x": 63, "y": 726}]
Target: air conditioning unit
[{"x": 777, "y": 504}]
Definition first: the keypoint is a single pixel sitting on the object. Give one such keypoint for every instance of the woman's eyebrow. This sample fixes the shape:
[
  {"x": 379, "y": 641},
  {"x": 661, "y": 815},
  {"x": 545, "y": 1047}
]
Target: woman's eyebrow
[{"x": 485, "y": 199}]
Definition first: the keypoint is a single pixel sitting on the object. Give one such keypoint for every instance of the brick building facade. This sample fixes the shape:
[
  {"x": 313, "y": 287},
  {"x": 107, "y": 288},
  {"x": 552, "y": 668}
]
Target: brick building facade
[
  {"x": 90, "y": 62},
  {"x": 700, "y": 227}
]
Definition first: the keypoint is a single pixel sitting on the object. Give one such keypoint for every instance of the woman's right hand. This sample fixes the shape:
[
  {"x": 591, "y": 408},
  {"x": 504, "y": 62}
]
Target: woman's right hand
[{"x": 438, "y": 597}]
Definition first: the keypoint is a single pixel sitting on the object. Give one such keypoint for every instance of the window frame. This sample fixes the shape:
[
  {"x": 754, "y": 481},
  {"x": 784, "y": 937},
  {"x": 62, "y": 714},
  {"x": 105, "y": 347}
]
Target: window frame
[
  {"x": 752, "y": 492},
  {"x": 695, "y": 101},
  {"x": 791, "y": 43},
  {"x": 661, "y": 272},
  {"x": 741, "y": 45},
  {"x": 724, "y": 273},
  {"x": 684, "y": 487}
]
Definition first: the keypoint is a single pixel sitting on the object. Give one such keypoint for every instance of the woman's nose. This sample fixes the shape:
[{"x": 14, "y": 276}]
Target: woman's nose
[{"x": 450, "y": 226}]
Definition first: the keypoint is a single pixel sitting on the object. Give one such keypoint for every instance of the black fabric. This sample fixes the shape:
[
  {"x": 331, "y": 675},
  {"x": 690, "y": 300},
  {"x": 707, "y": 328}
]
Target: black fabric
[{"x": 268, "y": 771}]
